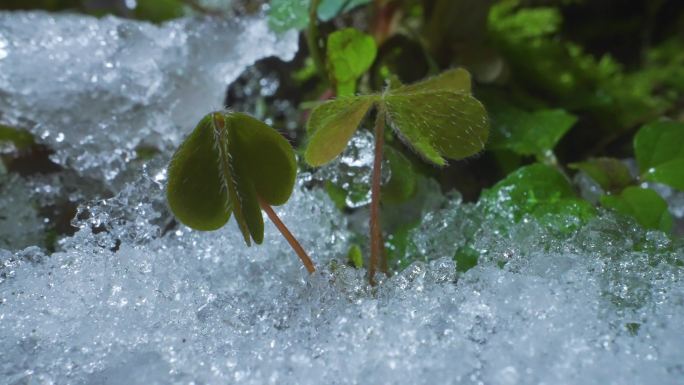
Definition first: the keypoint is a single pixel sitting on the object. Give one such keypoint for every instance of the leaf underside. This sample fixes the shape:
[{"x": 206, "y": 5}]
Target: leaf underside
[
  {"x": 332, "y": 124},
  {"x": 225, "y": 166}
]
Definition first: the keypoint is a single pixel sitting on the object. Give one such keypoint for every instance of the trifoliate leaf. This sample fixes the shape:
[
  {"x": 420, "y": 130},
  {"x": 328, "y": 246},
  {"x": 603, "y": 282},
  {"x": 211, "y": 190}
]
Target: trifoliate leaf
[
  {"x": 437, "y": 118},
  {"x": 331, "y": 125},
  {"x": 645, "y": 205},
  {"x": 438, "y": 124},
  {"x": 659, "y": 149},
  {"x": 350, "y": 54},
  {"x": 529, "y": 133},
  {"x": 226, "y": 165},
  {"x": 611, "y": 174}
]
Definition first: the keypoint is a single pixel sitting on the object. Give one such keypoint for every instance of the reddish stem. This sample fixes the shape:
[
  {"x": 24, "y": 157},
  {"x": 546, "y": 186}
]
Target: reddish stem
[
  {"x": 288, "y": 235},
  {"x": 375, "y": 228},
  {"x": 384, "y": 19}
]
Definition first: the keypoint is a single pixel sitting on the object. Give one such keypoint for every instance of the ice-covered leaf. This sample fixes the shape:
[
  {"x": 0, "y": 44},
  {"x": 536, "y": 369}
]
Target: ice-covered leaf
[
  {"x": 541, "y": 192},
  {"x": 284, "y": 15},
  {"x": 438, "y": 124},
  {"x": 227, "y": 164},
  {"x": 350, "y": 54},
  {"x": 659, "y": 149},
  {"x": 610, "y": 173},
  {"x": 645, "y": 205},
  {"x": 331, "y": 125},
  {"x": 529, "y": 133}
]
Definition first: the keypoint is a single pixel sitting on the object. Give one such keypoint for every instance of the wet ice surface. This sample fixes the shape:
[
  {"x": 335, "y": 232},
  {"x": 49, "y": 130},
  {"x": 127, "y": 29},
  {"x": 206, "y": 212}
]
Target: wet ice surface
[{"x": 133, "y": 299}]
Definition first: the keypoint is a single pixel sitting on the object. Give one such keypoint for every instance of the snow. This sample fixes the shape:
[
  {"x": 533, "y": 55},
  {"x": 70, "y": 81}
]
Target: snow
[
  {"x": 132, "y": 298},
  {"x": 141, "y": 84}
]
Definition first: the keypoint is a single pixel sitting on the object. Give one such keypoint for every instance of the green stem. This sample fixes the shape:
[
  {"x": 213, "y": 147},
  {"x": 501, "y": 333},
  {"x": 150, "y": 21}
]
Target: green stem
[
  {"x": 313, "y": 38},
  {"x": 296, "y": 246},
  {"x": 375, "y": 228}
]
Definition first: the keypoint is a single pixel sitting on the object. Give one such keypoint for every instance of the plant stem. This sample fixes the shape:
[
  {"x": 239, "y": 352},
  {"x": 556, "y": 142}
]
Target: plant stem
[
  {"x": 288, "y": 236},
  {"x": 312, "y": 40},
  {"x": 375, "y": 229}
]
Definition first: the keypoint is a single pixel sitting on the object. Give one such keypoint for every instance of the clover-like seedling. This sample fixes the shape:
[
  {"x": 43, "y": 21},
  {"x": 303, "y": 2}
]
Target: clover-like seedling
[
  {"x": 438, "y": 118},
  {"x": 233, "y": 164}
]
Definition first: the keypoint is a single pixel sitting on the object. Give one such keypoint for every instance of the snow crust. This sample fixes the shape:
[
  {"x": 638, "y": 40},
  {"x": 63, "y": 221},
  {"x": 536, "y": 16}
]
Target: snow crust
[{"x": 132, "y": 298}]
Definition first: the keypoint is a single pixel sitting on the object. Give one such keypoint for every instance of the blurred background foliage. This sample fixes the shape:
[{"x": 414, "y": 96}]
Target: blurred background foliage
[{"x": 567, "y": 85}]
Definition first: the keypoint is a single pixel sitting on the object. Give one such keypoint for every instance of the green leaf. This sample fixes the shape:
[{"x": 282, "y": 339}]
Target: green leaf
[
  {"x": 466, "y": 258},
  {"x": 350, "y": 54},
  {"x": 611, "y": 174},
  {"x": 402, "y": 183},
  {"x": 645, "y": 205},
  {"x": 355, "y": 256},
  {"x": 538, "y": 191},
  {"x": 659, "y": 150},
  {"x": 331, "y": 125},
  {"x": 20, "y": 138},
  {"x": 438, "y": 124},
  {"x": 284, "y": 15},
  {"x": 455, "y": 80},
  {"x": 226, "y": 165},
  {"x": 529, "y": 133},
  {"x": 525, "y": 23},
  {"x": 158, "y": 10}
]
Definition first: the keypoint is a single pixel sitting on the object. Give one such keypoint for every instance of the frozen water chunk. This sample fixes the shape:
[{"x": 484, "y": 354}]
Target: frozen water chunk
[
  {"x": 96, "y": 89},
  {"x": 352, "y": 171}
]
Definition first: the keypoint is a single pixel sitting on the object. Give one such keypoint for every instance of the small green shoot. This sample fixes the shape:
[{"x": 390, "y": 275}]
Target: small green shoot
[
  {"x": 438, "y": 118},
  {"x": 350, "y": 54},
  {"x": 355, "y": 257},
  {"x": 233, "y": 164}
]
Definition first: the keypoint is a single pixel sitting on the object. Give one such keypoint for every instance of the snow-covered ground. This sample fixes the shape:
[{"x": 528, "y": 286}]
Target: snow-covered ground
[{"x": 128, "y": 301}]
